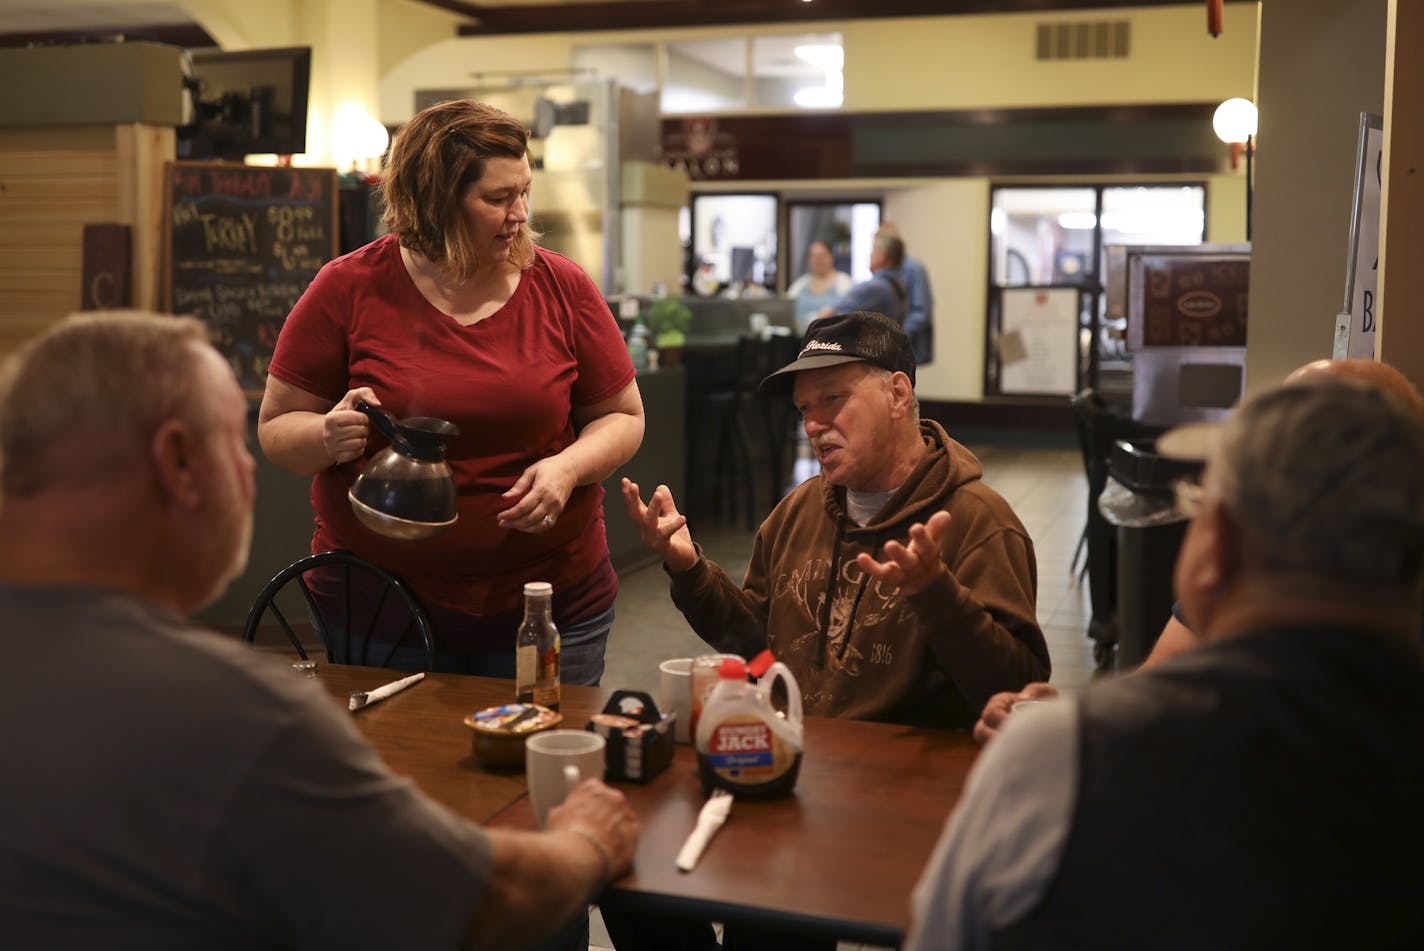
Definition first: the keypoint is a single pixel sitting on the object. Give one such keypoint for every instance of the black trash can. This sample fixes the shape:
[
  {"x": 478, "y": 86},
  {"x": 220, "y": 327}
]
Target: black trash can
[
  {"x": 1140, "y": 501},
  {"x": 1100, "y": 425}
]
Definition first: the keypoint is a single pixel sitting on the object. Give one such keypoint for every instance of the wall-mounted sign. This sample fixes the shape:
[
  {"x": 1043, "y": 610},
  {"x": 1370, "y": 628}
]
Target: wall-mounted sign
[
  {"x": 1188, "y": 300},
  {"x": 1038, "y": 341},
  {"x": 242, "y": 242},
  {"x": 698, "y": 147},
  {"x": 1355, "y": 326}
]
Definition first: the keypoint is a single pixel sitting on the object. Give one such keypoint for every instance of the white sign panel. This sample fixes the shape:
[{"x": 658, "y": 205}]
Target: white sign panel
[
  {"x": 1038, "y": 340},
  {"x": 1355, "y": 327}
]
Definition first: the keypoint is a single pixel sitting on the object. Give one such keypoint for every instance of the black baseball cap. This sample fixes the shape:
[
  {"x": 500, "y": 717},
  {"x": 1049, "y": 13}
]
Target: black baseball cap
[{"x": 860, "y": 335}]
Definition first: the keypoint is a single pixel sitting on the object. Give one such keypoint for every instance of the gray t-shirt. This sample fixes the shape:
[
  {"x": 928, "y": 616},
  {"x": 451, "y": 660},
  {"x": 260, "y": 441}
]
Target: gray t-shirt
[
  {"x": 165, "y": 787},
  {"x": 1003, "y": 844}
]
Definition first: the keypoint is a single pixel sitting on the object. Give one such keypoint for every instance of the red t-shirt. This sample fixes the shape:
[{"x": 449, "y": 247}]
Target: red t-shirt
[{"x": 509, "y": 382}]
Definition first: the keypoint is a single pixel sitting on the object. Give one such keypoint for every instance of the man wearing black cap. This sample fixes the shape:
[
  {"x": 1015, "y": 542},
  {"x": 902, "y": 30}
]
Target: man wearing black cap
[{"x": 896, "y": 585}]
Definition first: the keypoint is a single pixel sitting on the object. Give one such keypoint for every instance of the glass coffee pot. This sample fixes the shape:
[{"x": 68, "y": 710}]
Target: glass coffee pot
[{"x": 406, "y": 490}]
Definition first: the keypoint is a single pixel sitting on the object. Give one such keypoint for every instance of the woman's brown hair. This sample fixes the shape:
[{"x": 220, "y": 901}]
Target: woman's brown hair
[{"x": 435, "y": 157}]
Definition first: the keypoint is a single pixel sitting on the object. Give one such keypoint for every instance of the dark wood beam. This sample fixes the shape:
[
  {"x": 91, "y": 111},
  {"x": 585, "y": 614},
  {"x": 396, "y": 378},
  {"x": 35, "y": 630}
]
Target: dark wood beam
[
  {"x": 187, "y": 35},
  {"x": 1147, "y": 140},
  {"x": 492, "y": 19}
]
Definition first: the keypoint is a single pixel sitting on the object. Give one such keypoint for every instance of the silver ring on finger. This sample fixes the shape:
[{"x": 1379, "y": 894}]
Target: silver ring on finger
[{"x": 548, "y": 521}]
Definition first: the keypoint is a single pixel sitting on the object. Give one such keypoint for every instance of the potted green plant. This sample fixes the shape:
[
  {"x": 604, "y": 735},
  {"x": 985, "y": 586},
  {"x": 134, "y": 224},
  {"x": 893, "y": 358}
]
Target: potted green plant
[{"x": 668, "y": 319}]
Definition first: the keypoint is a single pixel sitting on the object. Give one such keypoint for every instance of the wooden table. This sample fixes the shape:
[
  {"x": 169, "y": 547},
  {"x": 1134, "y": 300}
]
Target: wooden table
[
  {"x": 838, "y": 858},
  {"x": 420, "y": 732}
]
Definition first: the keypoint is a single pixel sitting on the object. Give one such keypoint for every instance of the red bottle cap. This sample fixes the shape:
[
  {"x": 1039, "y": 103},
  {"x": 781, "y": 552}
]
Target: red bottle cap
[
  {"x": 732, "y": 669},
  {"x": 761, "y": 663}
]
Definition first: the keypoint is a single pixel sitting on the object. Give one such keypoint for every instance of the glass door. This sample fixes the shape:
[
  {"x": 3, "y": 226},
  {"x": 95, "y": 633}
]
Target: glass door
[{"x": 1072, "y": 236}]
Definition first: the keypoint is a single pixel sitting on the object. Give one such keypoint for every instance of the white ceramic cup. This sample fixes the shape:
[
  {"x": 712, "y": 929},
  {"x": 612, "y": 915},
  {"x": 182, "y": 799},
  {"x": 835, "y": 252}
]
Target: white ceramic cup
[
  {"x": 556, "y": 761},
  {"x": 675, "y": 694}
]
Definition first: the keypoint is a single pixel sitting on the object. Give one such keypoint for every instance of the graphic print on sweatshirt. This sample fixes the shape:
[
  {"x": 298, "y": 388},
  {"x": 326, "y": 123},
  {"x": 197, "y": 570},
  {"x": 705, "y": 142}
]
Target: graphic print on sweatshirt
[{"x": 880, "y": 608}]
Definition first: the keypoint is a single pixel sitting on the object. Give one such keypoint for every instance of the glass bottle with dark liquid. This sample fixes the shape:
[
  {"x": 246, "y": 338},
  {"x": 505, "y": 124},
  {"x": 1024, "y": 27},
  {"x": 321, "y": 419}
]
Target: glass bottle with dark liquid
[{"x": 536, "y": 649}]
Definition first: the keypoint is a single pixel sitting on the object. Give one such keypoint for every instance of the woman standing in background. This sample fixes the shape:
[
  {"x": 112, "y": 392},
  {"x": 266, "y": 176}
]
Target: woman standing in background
[
  {"x": 821, "y": 286},
  {"x": 458, "y": 314}
]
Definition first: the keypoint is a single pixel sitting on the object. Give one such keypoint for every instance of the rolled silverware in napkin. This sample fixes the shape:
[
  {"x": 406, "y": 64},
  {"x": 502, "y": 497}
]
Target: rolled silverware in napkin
[
  {"x": 709, "y": 820},
  {"x": 361, "y": 700}
]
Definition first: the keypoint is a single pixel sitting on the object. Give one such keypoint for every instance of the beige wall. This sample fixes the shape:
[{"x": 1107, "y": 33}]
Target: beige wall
[
  {"x": 949, "y": 222},
  {"x": 1321, "y": 65},
  {"x": 970, "y": 62},
  {"x": 1226, "y": 207},
  {"x": 407, "y": 27},
  {"x": 346, "y": 41},
  {"x": 1401, "y": 280},
  {"x": 957, "y": 62},
  {"x": 246, "y": 24},
  {"x": 952, "y": 62}
]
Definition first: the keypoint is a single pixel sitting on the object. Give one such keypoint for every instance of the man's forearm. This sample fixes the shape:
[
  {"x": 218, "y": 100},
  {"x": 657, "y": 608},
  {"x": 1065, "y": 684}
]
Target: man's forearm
[
  {"x": 721, "y": 613},
  {"x": 987, "y": 650},
  {"x": 538, "y": 882}
]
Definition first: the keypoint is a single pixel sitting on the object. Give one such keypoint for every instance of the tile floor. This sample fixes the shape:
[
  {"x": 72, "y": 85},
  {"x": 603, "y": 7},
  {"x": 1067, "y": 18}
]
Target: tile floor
[{"x": 1045, "y": 486}]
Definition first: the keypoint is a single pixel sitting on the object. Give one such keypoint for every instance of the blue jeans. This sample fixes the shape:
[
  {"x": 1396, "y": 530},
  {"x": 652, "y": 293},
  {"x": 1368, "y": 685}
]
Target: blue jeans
[{"x": 581, "y": 649}]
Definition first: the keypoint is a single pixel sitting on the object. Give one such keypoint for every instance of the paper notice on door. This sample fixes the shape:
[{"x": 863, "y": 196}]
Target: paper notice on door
[{"x": 1011, "y": 348}]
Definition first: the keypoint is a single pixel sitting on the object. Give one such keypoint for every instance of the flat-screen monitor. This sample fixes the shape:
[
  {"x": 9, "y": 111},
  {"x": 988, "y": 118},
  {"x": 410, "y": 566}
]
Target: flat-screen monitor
[{"x": 246, "y": 102}]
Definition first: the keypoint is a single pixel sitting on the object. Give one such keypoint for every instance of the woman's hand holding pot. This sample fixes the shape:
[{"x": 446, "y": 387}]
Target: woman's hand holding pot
[{"x": 344, "y": 429}]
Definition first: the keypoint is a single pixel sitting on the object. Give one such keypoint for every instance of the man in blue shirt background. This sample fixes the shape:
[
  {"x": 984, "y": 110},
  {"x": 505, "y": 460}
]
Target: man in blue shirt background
[
  {"x": 885, "y": 292},
  {"x": 919, "y": 305}
]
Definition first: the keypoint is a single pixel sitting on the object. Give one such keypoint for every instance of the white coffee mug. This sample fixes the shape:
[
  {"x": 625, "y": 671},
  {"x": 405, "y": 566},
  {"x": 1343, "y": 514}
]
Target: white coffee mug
[
  {"x": 556, "y": 761},
  {"x": 675, "y": 694}
]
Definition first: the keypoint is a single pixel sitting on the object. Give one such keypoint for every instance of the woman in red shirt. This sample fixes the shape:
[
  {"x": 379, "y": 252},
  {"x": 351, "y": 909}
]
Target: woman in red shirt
[{"x": 458, "y": 314}]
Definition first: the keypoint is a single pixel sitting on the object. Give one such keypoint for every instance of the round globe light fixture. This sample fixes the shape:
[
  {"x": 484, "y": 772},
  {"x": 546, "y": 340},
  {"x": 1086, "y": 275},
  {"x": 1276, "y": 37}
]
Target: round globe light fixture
[{"x": 1235, "y": 120}]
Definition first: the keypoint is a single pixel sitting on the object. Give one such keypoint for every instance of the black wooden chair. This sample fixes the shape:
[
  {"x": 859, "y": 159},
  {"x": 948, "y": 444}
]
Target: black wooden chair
[
  {"x": 1099, "y": 426},
  {"x": 775, "y": 416},
  {"x": 720, "y": 479},
  {"x": 346, "y": 629}
]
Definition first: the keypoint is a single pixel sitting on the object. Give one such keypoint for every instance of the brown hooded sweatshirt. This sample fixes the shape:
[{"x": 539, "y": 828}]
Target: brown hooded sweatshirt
[{"x": 857, "y": 647}]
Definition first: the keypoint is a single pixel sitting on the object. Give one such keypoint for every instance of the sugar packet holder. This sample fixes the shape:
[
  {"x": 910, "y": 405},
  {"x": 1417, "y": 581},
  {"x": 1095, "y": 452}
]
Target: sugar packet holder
[{"x": 639, "y": 737}]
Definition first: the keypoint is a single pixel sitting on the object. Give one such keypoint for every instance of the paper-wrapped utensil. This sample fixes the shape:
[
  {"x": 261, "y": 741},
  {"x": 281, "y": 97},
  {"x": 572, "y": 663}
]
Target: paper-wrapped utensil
[
  {"x": 363, "y": 699},
  {"x": 709, "y": 820}
]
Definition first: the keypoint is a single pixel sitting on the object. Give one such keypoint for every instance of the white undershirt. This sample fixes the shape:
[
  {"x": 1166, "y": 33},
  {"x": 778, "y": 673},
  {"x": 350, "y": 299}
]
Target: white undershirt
[{"x": 863, "y": 506}]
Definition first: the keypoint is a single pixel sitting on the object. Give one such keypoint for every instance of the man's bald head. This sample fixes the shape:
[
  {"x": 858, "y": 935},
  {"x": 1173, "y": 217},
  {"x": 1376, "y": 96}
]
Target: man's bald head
[{"x": 1374, "y": 372}]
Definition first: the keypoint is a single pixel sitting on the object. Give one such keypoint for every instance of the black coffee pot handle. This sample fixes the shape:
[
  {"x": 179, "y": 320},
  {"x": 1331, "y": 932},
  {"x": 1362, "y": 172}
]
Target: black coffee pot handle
[{"x": 382, "y": 419}]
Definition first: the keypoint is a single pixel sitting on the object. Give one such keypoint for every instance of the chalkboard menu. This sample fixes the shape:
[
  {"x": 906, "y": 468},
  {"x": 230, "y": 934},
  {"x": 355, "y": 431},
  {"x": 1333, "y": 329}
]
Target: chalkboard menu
[{"x": 243, "y": 242}]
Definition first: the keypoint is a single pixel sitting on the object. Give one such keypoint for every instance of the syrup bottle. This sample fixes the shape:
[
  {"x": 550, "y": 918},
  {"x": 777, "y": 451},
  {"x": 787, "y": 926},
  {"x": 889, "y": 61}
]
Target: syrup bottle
[{"x": 743, "y": 743}]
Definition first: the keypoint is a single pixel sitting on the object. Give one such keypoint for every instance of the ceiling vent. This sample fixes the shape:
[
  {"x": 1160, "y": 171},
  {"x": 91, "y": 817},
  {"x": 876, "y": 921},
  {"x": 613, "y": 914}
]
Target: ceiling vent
[{"x": 1082, "y": 39}]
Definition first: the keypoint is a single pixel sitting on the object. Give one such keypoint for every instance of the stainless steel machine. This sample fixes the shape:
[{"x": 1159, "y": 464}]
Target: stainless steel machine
[
  {"x": 584, "y": 130},
  {"x": 1186, "y": 310}
]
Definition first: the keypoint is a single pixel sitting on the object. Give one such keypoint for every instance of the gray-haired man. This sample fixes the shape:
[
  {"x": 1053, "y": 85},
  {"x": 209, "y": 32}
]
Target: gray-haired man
[
  {"x": 166, "y": 787},
  {"x": 1264, "y": 788}
]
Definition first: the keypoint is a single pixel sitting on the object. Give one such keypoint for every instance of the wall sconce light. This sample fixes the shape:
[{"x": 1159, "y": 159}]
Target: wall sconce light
[
  {"x": 1235, "y": 124},
  {"x": 358, "y": 138}
]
